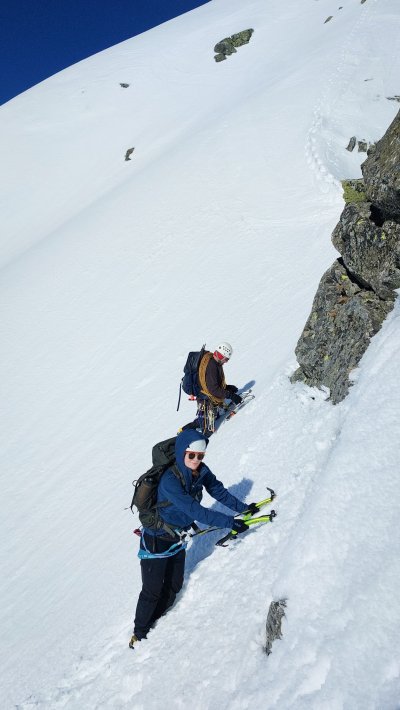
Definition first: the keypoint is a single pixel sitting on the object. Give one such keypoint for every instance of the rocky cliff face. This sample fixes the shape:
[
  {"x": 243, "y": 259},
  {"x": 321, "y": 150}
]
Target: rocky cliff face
[
  {"x": 356, "y": 294},
  {"x": 381, "y": 172}
]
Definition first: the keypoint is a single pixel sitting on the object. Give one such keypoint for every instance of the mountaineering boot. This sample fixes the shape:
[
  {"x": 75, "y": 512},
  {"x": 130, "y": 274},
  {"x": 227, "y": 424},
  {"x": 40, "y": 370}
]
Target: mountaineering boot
[{"x": 134, "y": 640}]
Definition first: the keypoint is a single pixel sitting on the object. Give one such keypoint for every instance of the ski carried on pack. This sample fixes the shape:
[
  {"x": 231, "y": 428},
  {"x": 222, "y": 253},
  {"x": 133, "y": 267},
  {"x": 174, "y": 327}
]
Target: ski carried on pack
[{"x": 247, "y": 517}]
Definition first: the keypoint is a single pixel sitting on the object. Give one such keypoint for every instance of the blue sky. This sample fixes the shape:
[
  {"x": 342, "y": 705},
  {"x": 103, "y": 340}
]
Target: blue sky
[{"x": 41, "y": 37}]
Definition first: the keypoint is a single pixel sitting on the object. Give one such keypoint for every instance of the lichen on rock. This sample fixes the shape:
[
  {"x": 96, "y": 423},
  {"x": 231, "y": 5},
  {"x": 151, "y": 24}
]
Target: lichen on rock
[
  {"x": 227, "y": 46},
  {"x": 354, "y": 190},
  {"x": 241, "y": 38}
]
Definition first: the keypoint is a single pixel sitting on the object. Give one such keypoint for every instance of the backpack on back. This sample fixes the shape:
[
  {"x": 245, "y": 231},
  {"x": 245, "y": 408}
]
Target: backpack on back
[
  {"x": 145, "y": 493},
  {"x": 190, "y": 380}
]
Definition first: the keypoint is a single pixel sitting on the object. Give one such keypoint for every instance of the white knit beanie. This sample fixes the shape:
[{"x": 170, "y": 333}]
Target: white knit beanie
[{"x": 200, "y": 445}]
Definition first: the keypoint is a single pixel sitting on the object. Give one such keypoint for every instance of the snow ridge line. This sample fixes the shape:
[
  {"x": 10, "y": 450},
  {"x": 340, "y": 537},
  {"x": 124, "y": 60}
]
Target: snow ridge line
[{"x": 340, "y": 77}]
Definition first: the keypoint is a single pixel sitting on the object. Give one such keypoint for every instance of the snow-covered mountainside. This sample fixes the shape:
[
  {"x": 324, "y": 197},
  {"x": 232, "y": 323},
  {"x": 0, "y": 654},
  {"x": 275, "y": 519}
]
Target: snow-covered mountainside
[{"x": 217, "y": 228}]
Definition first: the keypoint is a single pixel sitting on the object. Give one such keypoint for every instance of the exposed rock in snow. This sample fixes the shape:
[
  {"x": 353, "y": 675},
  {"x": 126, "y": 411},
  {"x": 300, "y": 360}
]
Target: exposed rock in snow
[
  {"x": 356, "y": 294},
  {"x": 276, "y": 613},
  {"x": 227, "y": 46}
]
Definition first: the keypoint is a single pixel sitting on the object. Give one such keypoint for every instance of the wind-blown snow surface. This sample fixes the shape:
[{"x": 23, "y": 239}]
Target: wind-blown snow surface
[{"x": 219, "y": 227}]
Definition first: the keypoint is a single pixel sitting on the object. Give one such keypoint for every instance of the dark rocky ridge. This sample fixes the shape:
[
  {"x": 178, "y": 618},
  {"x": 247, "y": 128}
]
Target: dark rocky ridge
[
  {"x": 356, "y": 294},
  {"x": 381, "y": 171}
]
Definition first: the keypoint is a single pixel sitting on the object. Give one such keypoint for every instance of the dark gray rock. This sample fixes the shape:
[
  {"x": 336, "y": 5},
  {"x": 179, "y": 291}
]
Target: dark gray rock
[
  {"x": 343, "y": 319},
  {"x": 225, "y": 46},
  {"x": 328, "y": 19},
  {"x": 370, "y": 252},
  {"x": 362, "y": 146},
  {"x": 393, "y": 98},
  {"x": 129, "y": 153},
  {"x": 124, "y": 86},
  {"x": 276, "y": 613},
  {"x": 352, "y": 144},
  {"x": 242, "y": 38},
  {"x": 381, "y": 171}
]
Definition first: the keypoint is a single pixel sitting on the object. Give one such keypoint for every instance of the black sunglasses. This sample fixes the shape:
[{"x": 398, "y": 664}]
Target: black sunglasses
[{"x": 192, "y": 455}]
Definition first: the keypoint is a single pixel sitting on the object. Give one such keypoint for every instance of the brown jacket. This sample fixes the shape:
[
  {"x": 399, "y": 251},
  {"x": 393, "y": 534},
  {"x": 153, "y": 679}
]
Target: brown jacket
[{"x": 212, "y": 379}]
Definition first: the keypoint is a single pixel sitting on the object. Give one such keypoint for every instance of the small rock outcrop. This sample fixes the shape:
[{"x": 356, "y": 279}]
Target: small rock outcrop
[
  {"x": 356, "y": 294},
  {"x": 362, "y": 145},
  {"x": 228, "y": 46},
  {"x": 129, "y": 153},
  {"x": 276, "y": 613},
  {"x": 352, "y": 144}
]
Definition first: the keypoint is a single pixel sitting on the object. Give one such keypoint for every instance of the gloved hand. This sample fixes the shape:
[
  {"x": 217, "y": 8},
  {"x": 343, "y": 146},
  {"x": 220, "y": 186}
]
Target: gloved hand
[
  {"x": 252, "y": 508},
  {"x": 235, "y": 398},
  {"x": 232, "y": 388},
  {"x": 239, "y": 526}
]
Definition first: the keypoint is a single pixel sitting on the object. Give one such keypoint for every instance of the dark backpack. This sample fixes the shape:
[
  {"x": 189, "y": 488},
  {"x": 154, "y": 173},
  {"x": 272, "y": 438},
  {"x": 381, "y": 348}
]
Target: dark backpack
[
  {"x": 190, "y": 380},
  {"x": 145, "y": 493}
]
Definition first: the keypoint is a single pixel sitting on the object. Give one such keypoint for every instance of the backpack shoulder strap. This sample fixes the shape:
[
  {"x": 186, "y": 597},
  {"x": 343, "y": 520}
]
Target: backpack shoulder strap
[
  {"x": 202, "y": 371},
  {"x": 179, "y": 475}
]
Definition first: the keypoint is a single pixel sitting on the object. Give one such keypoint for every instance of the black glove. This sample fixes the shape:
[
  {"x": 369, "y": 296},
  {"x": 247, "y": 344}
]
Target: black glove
[
  {"x": 239, "y": 526},
  {"x": 232, "y": 388},
  {"x": 252, "y": 508},
  {"x": 235, "y": 398}
]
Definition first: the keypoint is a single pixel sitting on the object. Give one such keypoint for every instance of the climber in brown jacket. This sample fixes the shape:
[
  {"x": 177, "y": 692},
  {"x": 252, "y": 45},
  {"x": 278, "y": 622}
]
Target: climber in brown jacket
[
  {"x": 212, "y": 378},
  {"x": 214, "y": 390}
]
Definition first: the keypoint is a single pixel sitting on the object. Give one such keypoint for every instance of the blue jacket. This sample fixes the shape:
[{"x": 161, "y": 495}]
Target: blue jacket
[{"x": 185, "y": 506}]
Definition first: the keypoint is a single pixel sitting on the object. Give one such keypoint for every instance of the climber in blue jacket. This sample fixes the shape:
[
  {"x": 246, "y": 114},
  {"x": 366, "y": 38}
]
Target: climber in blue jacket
[{"x": 163, "y": 556}]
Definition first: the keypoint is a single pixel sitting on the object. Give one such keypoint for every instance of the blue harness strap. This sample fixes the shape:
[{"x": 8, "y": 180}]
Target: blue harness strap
[{"x": 173, "y": 550}]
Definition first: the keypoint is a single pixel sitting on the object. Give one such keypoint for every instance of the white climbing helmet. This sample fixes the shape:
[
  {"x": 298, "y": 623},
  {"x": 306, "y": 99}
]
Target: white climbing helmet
[{"x": 224, "y": 350}]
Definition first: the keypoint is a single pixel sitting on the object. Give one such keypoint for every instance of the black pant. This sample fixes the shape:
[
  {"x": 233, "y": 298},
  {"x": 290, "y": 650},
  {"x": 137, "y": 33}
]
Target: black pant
[{"x": 162, "y": 579}]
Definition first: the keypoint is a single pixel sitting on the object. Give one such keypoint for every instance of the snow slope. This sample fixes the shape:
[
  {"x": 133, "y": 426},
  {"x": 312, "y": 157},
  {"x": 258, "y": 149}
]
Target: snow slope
[{"x": 219, "y": 227}]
